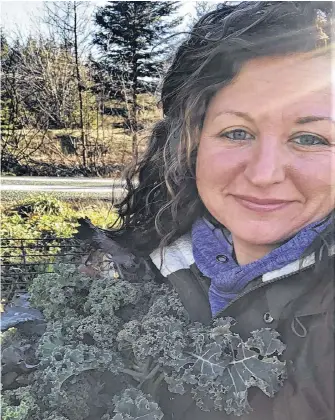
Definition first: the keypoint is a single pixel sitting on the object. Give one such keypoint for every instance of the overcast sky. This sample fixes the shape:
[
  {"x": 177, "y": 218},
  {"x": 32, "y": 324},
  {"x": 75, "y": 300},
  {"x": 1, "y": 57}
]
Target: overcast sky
[{"x": 18, "y": 13}]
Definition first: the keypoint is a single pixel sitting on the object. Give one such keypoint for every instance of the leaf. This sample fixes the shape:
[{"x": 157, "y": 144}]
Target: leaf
[
  {"x": 249, "y": 369},
  {"x": 254, "y": 363},
  {"x": 175, "y": 384},
  {"x": 18, "y": 404},
  {"x": 18, "y": 312},
  {"x": 132, "y": 404},
  {"x": 18, "y": 354},
  {"x": 68, "y": 361},
  {"x": 266, "y": 341},
  {"x": 210, "y": 362},
  {"x": 218, "y": 367}
]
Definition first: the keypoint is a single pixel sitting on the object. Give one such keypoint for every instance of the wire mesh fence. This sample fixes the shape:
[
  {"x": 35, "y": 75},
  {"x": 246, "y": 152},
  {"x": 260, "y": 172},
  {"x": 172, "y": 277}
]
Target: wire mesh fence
[{"x": 22, "y": 259}]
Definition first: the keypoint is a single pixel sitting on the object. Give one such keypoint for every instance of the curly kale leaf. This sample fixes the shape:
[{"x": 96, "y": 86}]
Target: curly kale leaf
[
  {"x": 108, "y": 335},
  {"x": 19, "y": 404},
  {"x": 60, "y": 294},
  {"x": 18, "y": 358},
  {"x": 64, "y": 362},
  {"x": 132, "y": 404},
  {"x": 211, "y": 362},
  {"x": 107, "y": 297},
  {"x": 81, "y": 396},
  {"x": 161, "y": 330},
  {"x": 160, "y": 337},
  {"x": 94, "y": 330},
  {"x": 167, "y": 302},
  {"x": 67, "y": 361},
  {"x": 222, "y": 371},
  {"x": 255, "y": 363}
]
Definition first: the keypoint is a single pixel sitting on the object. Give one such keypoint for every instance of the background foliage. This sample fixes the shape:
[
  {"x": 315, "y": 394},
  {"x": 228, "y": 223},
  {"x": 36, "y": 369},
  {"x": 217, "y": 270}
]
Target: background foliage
[
  {"x": 46, "y": 215},
  {"x": 41, "y": 221},
  {"x": 82, "y": 88}
]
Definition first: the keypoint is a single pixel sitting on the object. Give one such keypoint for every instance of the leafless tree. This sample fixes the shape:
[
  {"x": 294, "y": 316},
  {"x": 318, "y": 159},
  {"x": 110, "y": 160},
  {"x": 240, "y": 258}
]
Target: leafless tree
[
  {"x": 22, "y": 131},
  {"x": 69, "y": 21},
  {"x": 201, "y": 8}
]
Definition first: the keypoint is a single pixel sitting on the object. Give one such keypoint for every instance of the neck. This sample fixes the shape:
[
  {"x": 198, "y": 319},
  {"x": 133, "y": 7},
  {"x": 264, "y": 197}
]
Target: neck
[{"x": 247, "y": 253}]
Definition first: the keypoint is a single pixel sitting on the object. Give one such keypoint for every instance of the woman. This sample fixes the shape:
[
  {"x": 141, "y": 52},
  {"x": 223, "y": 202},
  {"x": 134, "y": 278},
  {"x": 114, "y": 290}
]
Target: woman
[{"x": 235, "y": 197}]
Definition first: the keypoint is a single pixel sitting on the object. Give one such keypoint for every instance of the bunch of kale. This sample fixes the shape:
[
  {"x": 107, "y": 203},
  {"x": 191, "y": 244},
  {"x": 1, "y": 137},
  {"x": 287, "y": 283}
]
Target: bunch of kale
[{"x": 108, "y": 346}]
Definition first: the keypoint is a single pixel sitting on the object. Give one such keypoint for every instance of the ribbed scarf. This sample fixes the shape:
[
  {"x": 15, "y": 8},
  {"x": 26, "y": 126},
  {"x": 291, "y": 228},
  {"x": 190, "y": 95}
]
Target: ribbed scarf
[{"x": 213, "y": 254}]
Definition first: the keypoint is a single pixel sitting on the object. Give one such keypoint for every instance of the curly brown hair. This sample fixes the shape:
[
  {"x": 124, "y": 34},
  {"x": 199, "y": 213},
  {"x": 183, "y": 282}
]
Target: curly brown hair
[{"x": 162, "y": 201}]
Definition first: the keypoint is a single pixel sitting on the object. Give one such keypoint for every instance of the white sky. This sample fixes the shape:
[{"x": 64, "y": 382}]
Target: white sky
[{"x": 18, "y": 13}]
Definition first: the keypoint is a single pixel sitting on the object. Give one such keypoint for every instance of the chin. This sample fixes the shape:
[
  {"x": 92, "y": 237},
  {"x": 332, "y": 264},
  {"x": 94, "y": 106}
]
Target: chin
[{"x": 262, "y": 233}]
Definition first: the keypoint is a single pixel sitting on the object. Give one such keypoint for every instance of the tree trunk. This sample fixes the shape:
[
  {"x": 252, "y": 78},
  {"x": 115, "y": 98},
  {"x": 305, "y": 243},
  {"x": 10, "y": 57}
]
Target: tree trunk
[
  {"x": 134, "y": 107},
  {"x": 80, "y": 88},
  {"x": 134, "y": 124}
]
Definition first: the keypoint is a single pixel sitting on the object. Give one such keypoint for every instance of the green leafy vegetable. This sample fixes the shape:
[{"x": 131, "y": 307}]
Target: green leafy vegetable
[
  {"x": 19, "y": 404},
  {"x": 213, "y": 363},
  {"x": 110, "y": 345},
  {"x": 132, "y": 404}
]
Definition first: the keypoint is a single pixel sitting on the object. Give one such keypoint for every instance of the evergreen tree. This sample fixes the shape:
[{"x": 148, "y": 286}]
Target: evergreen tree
[{"x": 131, "y": 38}]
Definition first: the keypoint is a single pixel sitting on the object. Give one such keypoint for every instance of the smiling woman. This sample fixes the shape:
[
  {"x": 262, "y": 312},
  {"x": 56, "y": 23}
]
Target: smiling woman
[
  {"x": 266, "y": 171},
  {"x": 235, "y": 204}
]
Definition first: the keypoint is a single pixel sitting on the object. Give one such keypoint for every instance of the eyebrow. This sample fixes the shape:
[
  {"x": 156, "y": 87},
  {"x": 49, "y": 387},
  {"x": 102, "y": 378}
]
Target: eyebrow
[
  {"x": 313, "y": 118},
  {"x": 238, "y": 114},
  {"x": 301, "y": 120}
]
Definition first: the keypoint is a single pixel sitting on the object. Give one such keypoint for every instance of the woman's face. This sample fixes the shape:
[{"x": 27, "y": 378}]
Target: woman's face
[{"x": 265, "y": 164}]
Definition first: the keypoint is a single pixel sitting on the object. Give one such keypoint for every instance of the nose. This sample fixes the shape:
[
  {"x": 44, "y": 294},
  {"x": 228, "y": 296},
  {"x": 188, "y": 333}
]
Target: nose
[{"x": 266, "y": 164}]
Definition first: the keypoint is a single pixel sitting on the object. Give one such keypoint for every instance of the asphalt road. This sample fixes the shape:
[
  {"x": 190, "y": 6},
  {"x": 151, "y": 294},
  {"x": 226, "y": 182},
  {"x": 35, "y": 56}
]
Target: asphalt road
[
  {"x": 106, "y": 188},
  {"x": 55, "y": 180}
]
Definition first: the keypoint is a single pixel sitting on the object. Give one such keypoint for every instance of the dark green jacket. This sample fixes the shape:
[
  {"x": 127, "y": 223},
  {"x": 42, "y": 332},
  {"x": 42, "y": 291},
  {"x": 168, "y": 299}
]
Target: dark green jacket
[{"x": 298, "y": 302}]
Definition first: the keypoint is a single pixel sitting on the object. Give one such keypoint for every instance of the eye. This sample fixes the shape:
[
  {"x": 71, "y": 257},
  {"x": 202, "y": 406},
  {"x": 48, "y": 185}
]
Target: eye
[
  {"x": 310, "y": 140},
  {"x": 237, "y": 134}
]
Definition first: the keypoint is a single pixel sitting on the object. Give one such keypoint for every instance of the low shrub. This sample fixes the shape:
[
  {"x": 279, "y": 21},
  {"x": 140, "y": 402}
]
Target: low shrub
[{"x": 31, "y": 231}]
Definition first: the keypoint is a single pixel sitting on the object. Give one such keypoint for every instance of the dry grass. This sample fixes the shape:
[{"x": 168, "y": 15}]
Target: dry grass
[{"x": 117, "y": 140}]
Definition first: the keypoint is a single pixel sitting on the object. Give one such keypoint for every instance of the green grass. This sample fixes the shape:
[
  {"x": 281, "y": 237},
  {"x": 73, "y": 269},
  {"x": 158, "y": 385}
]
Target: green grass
[
  {"x": 49, "y": 214},
  {"x": 43, "y": 217},
  {"x": 10, "y": 196},
  {"x": 118, "y": 140}
]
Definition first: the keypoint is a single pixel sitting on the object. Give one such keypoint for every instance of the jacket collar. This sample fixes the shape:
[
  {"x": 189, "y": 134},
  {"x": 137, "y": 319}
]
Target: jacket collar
[
  {"x": 295, "y": 266},
  {"x": 179, "y": 256}
]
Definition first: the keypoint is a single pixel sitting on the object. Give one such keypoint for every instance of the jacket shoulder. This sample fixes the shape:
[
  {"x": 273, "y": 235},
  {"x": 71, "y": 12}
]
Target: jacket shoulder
[{"x": 177, "y": 256}]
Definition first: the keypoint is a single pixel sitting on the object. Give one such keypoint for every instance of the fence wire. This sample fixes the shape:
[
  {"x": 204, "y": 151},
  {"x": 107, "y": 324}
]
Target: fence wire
[{"x": 22, "y": 259}]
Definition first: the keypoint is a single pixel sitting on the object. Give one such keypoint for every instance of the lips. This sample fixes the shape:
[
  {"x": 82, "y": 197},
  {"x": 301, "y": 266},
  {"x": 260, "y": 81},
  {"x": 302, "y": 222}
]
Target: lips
[{"x": 261, "y": 205}]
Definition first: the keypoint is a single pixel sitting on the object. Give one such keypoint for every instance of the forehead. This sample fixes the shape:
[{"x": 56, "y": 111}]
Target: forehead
[{"x": 293, "y": 84}]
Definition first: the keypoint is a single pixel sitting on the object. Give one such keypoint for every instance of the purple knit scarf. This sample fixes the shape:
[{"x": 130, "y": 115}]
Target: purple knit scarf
[{"x": 213, "y": 254}]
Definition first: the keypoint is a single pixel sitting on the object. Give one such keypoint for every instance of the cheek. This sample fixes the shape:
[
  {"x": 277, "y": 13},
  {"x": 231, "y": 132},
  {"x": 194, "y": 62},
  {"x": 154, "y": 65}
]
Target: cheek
[
  {"x": 217, "y": 166},
  {"x": 315, "y": 174}
]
